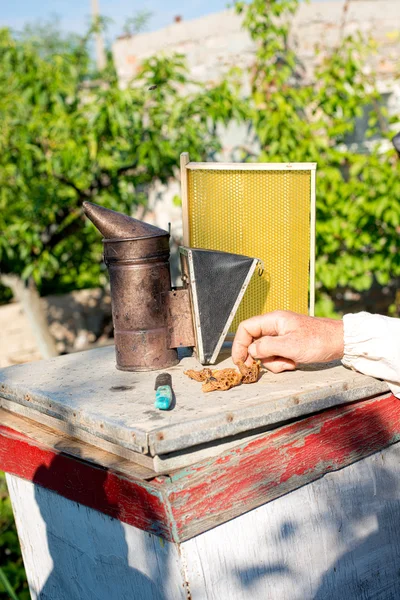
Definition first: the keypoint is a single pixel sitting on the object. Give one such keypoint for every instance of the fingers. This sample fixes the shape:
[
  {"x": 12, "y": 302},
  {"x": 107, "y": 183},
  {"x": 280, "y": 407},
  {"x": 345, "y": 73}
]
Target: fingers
[
  {"x": 249, "y": 361},
  {"x": 242, "y": 341},
  {"x": 277, "y": 364},
  {"x": 270, "y": 346},
  {"x": 250, "y": 330},
  {"x": 240, "y": 351}
]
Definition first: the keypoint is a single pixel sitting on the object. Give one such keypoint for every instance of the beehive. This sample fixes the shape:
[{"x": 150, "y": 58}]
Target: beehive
[{"x": 262, "y": 210}]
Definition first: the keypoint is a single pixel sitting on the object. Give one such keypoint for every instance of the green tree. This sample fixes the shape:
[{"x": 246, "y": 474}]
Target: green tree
[
  {"x": 67, "y": 136},
  {"x": 295, "y": 119},
  {"x": 12, "y": 570}
]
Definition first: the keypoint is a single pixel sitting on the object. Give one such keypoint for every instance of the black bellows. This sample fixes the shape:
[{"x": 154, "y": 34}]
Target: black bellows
[{"x": 220, "y": 281}]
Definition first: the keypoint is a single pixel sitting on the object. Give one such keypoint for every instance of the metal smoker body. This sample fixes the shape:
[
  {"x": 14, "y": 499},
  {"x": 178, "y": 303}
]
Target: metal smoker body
[
  {"x": 150, "y": 320},
  {"x": 140, "y": 279}
]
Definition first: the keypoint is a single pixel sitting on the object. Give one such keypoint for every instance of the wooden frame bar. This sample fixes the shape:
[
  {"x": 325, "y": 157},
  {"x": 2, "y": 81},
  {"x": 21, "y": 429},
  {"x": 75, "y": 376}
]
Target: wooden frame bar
[
  {"x": 220, "y": 166},
  {"x": 313, "y": 210},
  {"x": 184, "y": 196}
]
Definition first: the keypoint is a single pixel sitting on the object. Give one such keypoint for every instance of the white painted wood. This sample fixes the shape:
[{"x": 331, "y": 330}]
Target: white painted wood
[
  {"x": 72, "y": 552},
  {"x": 337, "y": 538},
  {"x": 221, "y": 166},
  {"x": 85, "y": 391}
]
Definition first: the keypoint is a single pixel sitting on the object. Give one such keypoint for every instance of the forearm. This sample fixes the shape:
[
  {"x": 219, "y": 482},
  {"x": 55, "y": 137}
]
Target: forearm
[{"x": 372, "y": 347}]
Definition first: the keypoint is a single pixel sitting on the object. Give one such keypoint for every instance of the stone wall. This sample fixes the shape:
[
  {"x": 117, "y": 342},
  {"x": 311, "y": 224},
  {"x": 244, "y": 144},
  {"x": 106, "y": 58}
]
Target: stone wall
[{"x": 217, "y": 42}]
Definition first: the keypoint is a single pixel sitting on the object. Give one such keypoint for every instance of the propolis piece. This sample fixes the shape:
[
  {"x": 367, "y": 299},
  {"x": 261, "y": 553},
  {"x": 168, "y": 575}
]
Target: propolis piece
[
  {"x": 219, "y": 379},
  {"x": 249, "y": 374},
  {"x": 202, "y": 375},
  {"x": 225, "y": 379}
]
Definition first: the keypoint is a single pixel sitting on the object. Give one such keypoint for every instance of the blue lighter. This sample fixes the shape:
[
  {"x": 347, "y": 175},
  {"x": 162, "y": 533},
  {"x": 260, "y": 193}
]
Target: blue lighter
[{"x": 164, "y": 395}]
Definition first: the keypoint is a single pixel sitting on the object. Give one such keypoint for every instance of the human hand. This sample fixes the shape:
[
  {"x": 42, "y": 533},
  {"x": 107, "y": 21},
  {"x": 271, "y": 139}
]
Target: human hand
[{"x": 282, "y": 339}]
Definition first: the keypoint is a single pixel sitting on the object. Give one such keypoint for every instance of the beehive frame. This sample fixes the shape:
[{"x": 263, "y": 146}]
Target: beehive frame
[{"x": 277, "y": 196}]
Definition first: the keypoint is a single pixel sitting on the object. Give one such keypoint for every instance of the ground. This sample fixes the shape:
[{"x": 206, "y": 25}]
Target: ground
[{"x": 77, "y": 321}]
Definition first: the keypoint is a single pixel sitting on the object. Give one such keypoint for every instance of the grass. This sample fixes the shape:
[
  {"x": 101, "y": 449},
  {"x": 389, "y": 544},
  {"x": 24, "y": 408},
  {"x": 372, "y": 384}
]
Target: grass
[{"x": 13, "y": 584}]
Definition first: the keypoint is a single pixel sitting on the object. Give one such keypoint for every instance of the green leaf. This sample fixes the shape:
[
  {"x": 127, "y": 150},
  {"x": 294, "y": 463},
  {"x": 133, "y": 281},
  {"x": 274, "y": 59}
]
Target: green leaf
[{"x": 7, "y": 586}]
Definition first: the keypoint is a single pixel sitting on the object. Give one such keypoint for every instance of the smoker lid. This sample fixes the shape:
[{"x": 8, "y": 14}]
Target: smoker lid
[
  {"x": 115, "y": 225},
  {"x": 87, "y": 393}
]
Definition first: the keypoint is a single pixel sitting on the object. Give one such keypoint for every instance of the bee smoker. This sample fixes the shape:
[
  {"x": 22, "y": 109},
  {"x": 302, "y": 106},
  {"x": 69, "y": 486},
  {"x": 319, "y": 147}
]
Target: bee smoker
[{"x": 150, "y": 319}]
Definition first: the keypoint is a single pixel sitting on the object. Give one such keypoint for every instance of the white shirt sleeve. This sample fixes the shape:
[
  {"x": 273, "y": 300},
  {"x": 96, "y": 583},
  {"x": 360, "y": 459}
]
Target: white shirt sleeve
[{"x": 372, "y": 347}]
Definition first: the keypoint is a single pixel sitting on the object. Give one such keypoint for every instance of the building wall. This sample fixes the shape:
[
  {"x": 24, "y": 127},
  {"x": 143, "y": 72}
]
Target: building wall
[{"x": 215, "y": 43}]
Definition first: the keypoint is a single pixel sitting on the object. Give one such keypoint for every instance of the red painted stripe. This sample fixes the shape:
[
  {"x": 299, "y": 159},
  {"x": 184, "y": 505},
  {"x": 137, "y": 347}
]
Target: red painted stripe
[
  {"x": 217, "y": 489},
  {"x": 262, "y": 470},
  {"x": 136, "y": 503}
]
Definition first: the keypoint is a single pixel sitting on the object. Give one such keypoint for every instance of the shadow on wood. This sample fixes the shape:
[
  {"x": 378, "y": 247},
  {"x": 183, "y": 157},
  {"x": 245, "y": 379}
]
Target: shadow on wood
[{"x": 88, "y": 554}]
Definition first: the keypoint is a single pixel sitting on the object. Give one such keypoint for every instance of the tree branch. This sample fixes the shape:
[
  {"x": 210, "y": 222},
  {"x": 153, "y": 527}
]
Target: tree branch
[
  {"x": 131, "y": 170},
  {"x": 81, "y": 193},
  {"x": 105, "y": 179},
  {"x": 29, "y": 299},
  {"x": 66, "y": 231}
]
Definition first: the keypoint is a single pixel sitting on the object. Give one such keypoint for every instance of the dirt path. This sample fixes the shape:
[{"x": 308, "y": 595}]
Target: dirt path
[{"x": 78, "y": 321}]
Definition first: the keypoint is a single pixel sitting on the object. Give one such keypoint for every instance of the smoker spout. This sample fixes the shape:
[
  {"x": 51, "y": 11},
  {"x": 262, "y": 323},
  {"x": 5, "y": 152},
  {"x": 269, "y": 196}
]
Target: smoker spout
[{"x": 115, "y": 225}]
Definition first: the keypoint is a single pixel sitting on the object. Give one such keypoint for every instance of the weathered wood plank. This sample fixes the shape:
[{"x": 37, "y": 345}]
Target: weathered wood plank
[
  {"x": 138, "y": 465},
  {"x": 221, "y": 488},
  {"x": 135, "y": 502},
  {"x": 216, "y": 490},
  {"x": 86, "y": 392},
  {"x": 72, "y": 552},
  {"x": 58, "y": 441}
]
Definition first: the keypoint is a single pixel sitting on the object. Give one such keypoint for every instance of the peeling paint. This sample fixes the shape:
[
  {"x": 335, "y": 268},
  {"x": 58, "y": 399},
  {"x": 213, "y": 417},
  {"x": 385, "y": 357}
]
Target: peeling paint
[{"x": 216, "y": 490}]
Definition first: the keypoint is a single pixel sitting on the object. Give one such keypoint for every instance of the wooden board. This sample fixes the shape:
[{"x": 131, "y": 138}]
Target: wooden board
[
  {"x": 86, "y": 392},
  {"x": 278, "y": 462},
  {"x": 60, "y": 443},
  {"x": 62, "y": 428},
  {"x": 198, "y": 498},
  {"x": 151, "y": 465},
  {"x": 337, "y": 538},
  {"x": 72, "y": 552},
  {"x": 112, "y": 492}
]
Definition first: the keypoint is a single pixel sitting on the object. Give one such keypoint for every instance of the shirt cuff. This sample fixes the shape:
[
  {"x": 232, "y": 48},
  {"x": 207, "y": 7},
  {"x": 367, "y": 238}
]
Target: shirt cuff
[{"x": 372, "y": 347}]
